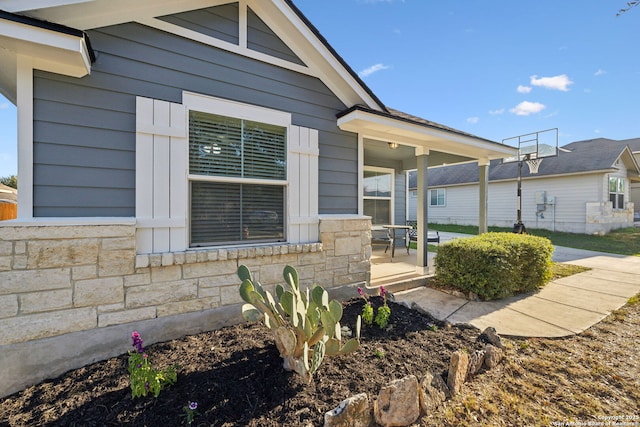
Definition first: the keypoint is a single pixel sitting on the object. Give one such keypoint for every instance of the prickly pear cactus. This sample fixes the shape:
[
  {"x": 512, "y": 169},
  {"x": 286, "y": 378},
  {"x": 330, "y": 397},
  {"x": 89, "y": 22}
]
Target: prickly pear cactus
[{"x": 305, "y": 324}]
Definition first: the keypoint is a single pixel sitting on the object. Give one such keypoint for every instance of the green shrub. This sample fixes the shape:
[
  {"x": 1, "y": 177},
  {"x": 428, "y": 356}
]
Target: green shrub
[{"x": 495, "y": 265}]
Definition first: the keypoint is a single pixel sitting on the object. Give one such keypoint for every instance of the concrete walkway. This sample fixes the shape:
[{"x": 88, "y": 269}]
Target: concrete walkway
[{"x": 563, "y": 307}]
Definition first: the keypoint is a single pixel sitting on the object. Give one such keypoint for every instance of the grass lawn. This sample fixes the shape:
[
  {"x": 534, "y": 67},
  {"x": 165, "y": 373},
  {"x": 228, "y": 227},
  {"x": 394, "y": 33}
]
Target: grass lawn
[{"x": 625, "y": 241}]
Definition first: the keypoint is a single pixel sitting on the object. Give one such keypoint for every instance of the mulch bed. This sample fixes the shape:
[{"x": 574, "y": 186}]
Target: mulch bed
[{"x": 235, "y": 375}]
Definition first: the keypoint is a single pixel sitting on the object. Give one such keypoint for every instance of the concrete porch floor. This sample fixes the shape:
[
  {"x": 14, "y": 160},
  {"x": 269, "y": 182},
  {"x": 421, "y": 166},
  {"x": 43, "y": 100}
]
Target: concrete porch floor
[{"x": 399, "y": 273}]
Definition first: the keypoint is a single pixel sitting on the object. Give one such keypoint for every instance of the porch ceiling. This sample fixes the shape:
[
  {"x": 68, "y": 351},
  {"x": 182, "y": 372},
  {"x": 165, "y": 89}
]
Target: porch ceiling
[{"x": 443, "y": 144}]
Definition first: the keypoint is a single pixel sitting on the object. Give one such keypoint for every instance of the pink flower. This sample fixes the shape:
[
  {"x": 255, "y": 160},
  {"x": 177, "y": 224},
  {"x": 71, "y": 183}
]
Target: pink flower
[
  {"x": 383, "y": 292},
  {"x": 360, "y": 291}
]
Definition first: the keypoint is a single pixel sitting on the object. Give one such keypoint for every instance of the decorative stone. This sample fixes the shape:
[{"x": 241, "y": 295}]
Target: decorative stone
[
  {"x": 352, "y": 412},
  {"x": 475, "y": 362},
  {"x": 398, "y": 403},
  {"x": 432, "y": 393},
  {"x": 492, "y": 357},
  {"x": 458, "y": 368},
  {"x": 490, "y": 336}
]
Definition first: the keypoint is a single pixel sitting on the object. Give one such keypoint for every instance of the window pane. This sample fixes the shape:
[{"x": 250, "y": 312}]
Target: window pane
[
  {"x": 215, "y": 145},
  {"x": 236, "y": 213},
  {"x": 441, "y": 197},
  {"x": 377, "y": 184},
  {"x": 433, "y": 197},
  {"x": 613, "y": 185},
  {"x": 224, "y": 146},
  {"x": 378, "y": 210},
  {"x": 620, "y": 202},
  {"x": 620, "y": 185},
  {"x": 264, "y": 151}
]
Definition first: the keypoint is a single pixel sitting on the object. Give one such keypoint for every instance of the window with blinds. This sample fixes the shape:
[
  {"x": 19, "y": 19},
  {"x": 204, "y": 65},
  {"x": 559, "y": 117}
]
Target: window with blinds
[{"x": 228, "y": 159}]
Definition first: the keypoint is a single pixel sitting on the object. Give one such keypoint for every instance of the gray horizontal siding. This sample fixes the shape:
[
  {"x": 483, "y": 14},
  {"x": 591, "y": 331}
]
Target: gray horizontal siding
[
  {"x": 84, "y": 129},
  {"x": 262, "y": 39},
  {"x": 220, "y": 22}
]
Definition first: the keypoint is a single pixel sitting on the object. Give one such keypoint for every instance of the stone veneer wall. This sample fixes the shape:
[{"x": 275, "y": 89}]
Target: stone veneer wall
[{"x": 71, "y": 294}]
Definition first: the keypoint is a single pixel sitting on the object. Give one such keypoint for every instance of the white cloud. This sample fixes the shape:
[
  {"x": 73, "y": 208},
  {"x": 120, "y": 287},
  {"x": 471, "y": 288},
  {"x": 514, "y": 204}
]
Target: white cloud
[
  {"x": 496, "y": 112},
  {"x": 373, "y": 69},
  {"x": 560, "y": 82},
  {"x": 473, "y": 120},
  {"x": 524, "y": 89},
  {"x": 599, "y": 72},
  {"x": 526, "y": 108}
]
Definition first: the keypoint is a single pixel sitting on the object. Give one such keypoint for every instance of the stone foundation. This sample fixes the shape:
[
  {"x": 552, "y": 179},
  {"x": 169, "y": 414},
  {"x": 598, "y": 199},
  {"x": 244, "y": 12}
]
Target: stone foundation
[{"x": 71, "y": 294}]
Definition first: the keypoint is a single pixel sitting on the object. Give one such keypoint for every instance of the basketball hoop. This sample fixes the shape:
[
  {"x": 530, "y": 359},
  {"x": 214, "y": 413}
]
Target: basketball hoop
[{"x": 533, "y": 164}]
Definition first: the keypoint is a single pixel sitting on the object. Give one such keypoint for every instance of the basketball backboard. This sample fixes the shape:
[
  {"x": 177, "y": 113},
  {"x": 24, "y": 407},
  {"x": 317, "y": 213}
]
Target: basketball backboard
[{"x": 532, "y": 146}]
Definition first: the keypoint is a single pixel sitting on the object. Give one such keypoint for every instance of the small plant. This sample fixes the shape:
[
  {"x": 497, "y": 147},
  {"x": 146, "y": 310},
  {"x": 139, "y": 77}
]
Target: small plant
[
  {"x": 384, "y": 312},
  {"x": 143, "y": 377},
  {"x": 190, "y": 412},
  {"x": 378, "y": 352},
  {"x": 433, "y": 327},
  {"x": 305, "y": 325},
  {"x": 367, "y": 308}
]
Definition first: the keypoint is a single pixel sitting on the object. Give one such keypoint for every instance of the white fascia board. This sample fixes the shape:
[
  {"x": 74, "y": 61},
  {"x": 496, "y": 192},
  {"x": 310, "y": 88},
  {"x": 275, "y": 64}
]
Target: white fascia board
[
  {"x": 388, "y": 128},
  {"x": 101, "y": 13},
  {"x": 314, "y": 53},
  {"x": 50, "y": 50}
]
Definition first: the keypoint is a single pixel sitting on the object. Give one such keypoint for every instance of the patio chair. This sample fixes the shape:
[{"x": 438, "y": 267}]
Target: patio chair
[
  {"x": 432, "y": 236},
  {"x": 381, "y": 236}
]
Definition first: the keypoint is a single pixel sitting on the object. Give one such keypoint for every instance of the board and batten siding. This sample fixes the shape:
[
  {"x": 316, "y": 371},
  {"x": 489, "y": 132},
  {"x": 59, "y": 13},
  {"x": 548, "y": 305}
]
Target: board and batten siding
[{"x": 84, "y": 129}]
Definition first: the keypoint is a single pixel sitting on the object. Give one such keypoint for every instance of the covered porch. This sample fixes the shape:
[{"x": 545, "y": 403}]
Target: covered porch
[{"x": 391, "y": 143}]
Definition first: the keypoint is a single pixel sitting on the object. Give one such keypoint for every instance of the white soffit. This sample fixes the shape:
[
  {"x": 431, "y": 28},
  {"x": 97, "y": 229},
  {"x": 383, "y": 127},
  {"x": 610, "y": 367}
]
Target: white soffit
[
  {"x": 50, "y": 50},
  {"x": 387, "y": 128}
]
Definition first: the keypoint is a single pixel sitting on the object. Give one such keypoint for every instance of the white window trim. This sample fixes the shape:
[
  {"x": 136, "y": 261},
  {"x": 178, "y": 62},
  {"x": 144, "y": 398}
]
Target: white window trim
[
  {"x": 624, "y": 192},
  {"x": 236, "y": 110},
  {"x": 162, "y": 149},
  {"x": 391, "y": 199}
]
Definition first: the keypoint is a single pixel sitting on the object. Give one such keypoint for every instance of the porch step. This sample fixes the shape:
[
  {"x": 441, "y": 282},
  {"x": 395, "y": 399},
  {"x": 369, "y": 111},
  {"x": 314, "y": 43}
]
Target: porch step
[{"x": 399, "y": 283}]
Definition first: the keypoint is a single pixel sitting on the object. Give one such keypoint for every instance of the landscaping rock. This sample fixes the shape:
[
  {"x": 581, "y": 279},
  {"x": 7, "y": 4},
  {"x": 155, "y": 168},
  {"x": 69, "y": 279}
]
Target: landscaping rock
[
  {"x": 458, "y": 368},
  {"x": 475, "y": 362},
  {"x": 490, "y": 336},
  {"x": 492, "y": 357},
  {"x": 432, "y": 393},
  {"x": 398, "y": 403},
  {"x": 352, "y": 412}
]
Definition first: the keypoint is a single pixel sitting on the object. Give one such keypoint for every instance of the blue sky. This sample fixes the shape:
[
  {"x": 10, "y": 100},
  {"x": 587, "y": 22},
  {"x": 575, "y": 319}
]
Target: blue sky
[{"x": 495, "y": 69}]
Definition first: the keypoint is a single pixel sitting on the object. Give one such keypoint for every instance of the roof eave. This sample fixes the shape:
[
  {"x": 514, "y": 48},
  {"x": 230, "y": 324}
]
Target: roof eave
[
  {"x": 384, "y": 126},
  {"x": 50, "y": 46}
]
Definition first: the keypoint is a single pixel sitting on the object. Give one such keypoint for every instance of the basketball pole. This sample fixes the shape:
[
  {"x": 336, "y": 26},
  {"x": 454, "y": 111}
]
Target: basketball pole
[{"x": 519, "y": 227}]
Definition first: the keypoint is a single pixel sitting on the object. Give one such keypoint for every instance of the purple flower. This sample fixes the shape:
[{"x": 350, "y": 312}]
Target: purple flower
[
  {"x": 137, "y": 341},
  {"x": 383, "y": 292},
  {"x": 193, "y": 405},
  {"x": 146, "y": 385},
  {"x": 360, "y": 291}
]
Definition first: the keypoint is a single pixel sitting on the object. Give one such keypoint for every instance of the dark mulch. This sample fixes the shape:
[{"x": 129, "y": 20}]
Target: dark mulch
[{"x": 235, "y": 375}]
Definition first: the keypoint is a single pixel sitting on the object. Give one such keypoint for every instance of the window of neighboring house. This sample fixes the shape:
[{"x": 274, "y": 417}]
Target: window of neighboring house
[
  {"x": 616, "y": 192},
  {"x": 437, "y": 197},
  {"x": 378, "y": 195},
  {"x": 237, "y": 180}
]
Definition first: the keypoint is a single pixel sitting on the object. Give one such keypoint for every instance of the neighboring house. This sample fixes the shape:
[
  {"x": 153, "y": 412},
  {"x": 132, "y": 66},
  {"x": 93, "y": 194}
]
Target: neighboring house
[
  {"x": 591, "y": 187},
  {"x": 8, "y": 202},
  {"x": 163, "y": 143}
]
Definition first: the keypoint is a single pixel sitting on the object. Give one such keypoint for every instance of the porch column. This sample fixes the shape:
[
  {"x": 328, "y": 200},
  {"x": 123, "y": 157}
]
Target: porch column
[
  {"x": 483, "y": 166},
  {"x": 422, "y": 258}
]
